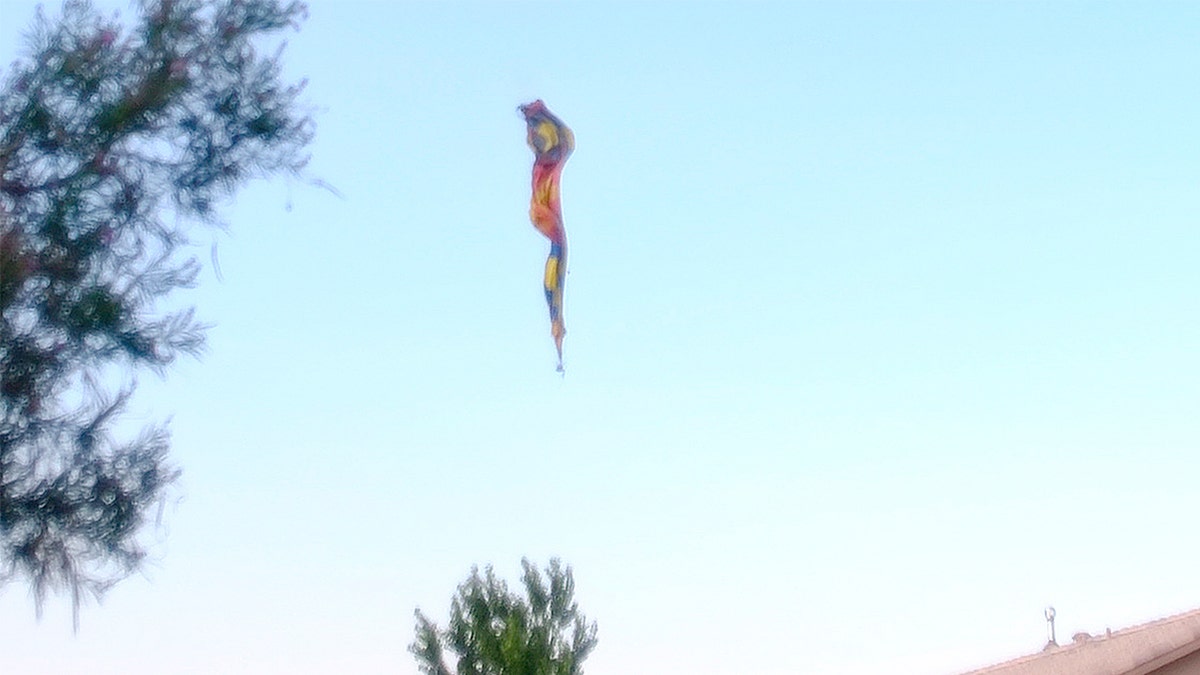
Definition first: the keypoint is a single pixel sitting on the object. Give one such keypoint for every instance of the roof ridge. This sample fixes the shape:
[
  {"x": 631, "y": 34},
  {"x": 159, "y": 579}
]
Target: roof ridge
[{"x": 1171, "y": 618}]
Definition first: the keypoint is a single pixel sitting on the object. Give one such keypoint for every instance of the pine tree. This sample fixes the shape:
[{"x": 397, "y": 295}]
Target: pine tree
[
  {"x": 113, "y": 143},
  {"x": 495, "y": 632}
]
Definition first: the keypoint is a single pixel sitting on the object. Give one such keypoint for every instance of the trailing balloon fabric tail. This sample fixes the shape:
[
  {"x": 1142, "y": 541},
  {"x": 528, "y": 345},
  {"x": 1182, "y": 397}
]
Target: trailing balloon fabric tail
[{"x": 552, "y": 143}]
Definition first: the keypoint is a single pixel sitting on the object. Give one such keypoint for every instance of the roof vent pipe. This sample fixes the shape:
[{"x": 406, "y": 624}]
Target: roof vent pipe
[{"x": 1051, "y": 640}]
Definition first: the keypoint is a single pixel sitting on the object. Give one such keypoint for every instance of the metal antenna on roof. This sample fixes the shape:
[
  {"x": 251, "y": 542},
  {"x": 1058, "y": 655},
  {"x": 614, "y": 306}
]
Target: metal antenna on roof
[{"x": 1050, "y": 627}]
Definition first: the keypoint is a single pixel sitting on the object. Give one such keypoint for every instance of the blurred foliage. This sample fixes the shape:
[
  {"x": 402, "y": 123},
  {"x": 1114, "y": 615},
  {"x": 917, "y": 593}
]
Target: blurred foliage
[
  {"x": 114, "y": 141},
  {"x": 496, "y": 632}
]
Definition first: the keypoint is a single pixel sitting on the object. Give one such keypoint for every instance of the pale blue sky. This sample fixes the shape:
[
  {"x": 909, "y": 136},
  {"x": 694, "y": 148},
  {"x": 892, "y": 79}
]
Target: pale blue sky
[{"x": 882, "y": 335}]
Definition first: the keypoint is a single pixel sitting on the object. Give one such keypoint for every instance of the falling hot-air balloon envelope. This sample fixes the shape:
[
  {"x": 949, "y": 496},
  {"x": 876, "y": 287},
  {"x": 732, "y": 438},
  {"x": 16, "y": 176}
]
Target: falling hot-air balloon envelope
[{"x": 552, "y": 143}]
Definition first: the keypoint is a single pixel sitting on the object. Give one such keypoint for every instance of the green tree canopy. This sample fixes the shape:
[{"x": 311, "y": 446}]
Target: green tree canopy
[
  {"x": 493, "y": 631},
  {"x": 113, "y": 141}
]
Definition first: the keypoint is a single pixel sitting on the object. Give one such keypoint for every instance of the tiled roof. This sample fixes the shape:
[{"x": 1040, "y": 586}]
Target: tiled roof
[{"x": 1131, "y": 651}]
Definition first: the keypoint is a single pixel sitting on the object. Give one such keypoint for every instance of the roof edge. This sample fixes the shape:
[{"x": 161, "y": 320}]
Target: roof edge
[{"x": 1164, "y": 659}]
